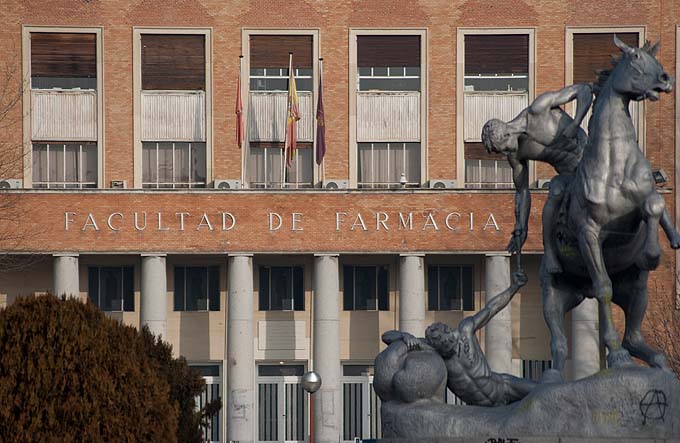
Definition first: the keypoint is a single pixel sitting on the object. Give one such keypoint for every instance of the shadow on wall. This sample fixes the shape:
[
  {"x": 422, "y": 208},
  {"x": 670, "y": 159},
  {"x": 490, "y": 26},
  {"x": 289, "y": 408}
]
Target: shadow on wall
[
  {"x": 364, "y": 335},
  {"x": 194, "y": 335}
]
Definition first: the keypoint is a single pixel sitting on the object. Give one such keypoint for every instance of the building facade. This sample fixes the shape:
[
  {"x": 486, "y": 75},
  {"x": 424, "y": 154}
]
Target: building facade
[{"x": 126, "y": 186}]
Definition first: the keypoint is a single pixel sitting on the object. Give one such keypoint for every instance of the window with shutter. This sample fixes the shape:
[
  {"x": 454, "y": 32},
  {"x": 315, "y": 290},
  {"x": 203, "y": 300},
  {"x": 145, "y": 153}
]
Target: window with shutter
[
  {"x": 173, "y": 62},
  {"x": 63, "y": 60}
]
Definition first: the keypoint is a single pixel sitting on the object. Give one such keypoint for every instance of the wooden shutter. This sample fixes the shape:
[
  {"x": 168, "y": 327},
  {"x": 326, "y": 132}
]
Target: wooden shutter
[
  {"x": 63, "y": 55},
  {"x": 271, "y": 51},
  {"x": 496, "y": 54},
  {"x": 595, "y": 51},
  {"x": 173, "y": 62},
  {"x": 388, "y": 50}
]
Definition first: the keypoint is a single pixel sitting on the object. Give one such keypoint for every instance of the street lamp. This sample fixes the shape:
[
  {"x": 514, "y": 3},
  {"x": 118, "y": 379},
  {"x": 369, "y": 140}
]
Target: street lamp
[{"x": 311, "y": 382}]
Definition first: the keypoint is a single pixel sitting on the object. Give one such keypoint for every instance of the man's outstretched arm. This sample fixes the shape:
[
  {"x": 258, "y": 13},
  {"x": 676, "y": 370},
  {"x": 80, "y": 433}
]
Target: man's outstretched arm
[
  {"x": 581, "y": 92},
  {"x": 520, "y": 176},
  {"x": 493, "y": 306}
]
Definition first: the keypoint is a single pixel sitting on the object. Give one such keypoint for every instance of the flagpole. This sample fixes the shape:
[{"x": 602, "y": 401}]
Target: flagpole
[
  {"x": 244, "y": 154},
  {"x": 285, "y": 137}
]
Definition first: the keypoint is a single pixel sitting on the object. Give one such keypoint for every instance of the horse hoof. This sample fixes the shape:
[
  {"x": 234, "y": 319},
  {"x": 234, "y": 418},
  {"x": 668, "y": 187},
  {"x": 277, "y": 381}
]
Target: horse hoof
[
  {"x": 552, "y": 376},
  {"x": 619, "y": 359}
]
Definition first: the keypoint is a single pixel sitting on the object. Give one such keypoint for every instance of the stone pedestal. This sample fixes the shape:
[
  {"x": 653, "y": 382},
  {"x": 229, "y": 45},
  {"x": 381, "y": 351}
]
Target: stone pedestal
[
  {"x": 498, "y": 332},
  {"x": 327, "y": 348},
  {"x": 240, "y": 350}
]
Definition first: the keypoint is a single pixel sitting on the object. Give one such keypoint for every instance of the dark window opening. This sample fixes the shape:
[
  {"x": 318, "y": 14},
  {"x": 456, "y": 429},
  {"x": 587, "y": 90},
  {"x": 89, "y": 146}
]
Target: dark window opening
[
  {"x": 365, "y": 288},
  {"x": 281, "y": 288},
  {"x": 450, "y": 288},
  {"x": 112, "y": 288},
  {"x": 197, "y": 288}
]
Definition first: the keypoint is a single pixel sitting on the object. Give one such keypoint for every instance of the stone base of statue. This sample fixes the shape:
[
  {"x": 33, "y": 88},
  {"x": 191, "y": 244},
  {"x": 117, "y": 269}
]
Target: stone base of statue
[{"x": 633, "y": 403}]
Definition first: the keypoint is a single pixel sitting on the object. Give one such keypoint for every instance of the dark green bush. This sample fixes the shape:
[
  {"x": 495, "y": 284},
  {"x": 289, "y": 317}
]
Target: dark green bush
[{"x": 69, "y": 373}]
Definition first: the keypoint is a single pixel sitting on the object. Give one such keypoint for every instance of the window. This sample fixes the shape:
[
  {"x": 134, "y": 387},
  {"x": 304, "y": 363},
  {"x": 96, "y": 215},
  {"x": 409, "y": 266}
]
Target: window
[
  {"x": 174, "y": 109},
  {"x": 281, "y": 288},
  {"x": 111, "y": 288},
  {"x": 365, "y": 288},
  {"x": 381, "y": 165},
  {"x": 496, "y": 85},
  {"x": 268, "y": 99},
  {"x": 211, "y": 391},
  {"x": 173, "y": 165},
  {"x": 64, "y": 107},
  {"x": 593, "y": 51},
  {"x": 64, "y": 165},
  {"x": 197, "y": 288},
  {"x": 450, "y": 288},
  {"x": 388, "y": 119},
  {"x": 360, "y": 404}
]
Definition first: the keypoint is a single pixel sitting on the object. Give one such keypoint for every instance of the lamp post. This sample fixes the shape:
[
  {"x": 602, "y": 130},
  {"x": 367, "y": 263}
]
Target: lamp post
[{"x": 311, "y": 382}]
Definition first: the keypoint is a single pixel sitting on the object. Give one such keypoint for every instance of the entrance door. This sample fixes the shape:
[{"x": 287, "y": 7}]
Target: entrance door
[
  {"x": 360, "y": 409},
  {"x": 281, "y": 404}
]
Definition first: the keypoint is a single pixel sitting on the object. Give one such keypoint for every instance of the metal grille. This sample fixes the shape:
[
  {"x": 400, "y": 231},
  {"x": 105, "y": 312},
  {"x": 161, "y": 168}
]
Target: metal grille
[
  {"x": 295, "y": 412},
  {"x": 533, "y": 369},
  {"x": 268, "y": 412},
  {"x": 452, "y": 399},
  {"x": 361, "y": 411},
  {"x": 211, "y": 431}
]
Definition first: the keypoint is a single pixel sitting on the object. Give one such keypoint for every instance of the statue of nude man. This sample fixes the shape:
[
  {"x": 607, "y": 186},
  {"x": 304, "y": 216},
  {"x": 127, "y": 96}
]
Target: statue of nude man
[
  {"x": 469, "y": 375},
  {"x": 545, "y": 132}
]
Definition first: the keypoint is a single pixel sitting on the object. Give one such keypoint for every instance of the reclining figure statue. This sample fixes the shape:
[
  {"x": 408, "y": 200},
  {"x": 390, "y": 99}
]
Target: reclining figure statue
[{"x": 413, "y": 369}]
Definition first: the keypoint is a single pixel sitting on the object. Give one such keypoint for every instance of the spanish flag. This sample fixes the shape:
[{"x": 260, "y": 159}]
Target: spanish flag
[{"x": 292, "y": 117}]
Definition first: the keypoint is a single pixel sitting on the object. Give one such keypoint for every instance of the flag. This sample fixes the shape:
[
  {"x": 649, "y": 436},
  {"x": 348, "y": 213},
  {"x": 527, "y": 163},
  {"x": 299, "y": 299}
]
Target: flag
[
  {"x": 320, "y": 126},
  {"x": 292, "y": 117},
  {"x": 239, "y": 113}
]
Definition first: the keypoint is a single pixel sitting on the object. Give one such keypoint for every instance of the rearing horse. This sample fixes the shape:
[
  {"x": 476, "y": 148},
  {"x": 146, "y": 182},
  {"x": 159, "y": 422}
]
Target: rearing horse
[{"x": 606, "y": 235}]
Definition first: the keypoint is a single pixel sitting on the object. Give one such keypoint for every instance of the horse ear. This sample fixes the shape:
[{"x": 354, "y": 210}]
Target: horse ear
[
  {"x": 622, "y": 46},
  {"x": 655, "y": 49}
]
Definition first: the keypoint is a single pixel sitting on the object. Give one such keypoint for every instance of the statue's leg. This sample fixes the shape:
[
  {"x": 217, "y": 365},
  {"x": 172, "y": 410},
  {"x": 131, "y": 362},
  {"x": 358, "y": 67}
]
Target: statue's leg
[
  {"x": 553, "y": 312},
  {"x": 516, "y": 388},
  {"x": 630, "y": 292},
  {"x": 669, "y": 228},
  {"x": 652, "y": 209},
  {"x": 552, "y": 205},
  {"x": 591, "y": 252}
]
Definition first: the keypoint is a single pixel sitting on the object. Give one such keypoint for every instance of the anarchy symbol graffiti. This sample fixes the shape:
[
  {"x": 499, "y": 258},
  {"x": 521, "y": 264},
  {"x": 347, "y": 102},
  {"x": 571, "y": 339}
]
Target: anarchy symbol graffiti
[{"x": 653, "y": 405}]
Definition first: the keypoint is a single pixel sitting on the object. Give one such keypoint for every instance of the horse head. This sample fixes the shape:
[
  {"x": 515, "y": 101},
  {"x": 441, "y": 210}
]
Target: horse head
[{"x": 637, "y": 74}]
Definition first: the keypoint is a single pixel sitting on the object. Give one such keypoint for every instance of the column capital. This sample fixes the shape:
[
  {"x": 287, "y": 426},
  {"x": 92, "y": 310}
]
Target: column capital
[
  {"x": 153, "y": 254},
  {"x": 239, "y": 254},
  {"x": 412, "y": 254},
  {"x": 498, "y": 254},
  {"x": 327, "y": 254},
  {"x": 66, "y": 254}
]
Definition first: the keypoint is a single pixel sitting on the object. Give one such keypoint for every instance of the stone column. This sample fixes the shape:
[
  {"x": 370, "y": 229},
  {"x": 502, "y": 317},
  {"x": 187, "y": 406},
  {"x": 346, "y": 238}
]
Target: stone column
[
  {"x": 66, "y": 275},
  {"x": 498, "y": 332},
  {"x": 585, "y": 339},
  {"x": 327, "y": 347},
  {"x": 240, "y": 350},
  {"x": 153, "y": 310},
  {"x": 412, "y": 294}
]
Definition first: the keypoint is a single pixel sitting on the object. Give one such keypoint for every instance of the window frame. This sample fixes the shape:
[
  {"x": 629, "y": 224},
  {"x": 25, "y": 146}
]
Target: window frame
[
  {"x": 377, "y": 268},
  {"x": 569, "y": 66},
  {"x": 462, "y": 268},
  {"x": 208, "y": 269},
  {"x": 123, "y": 298},
  {"x": 26, "y": 98},
  {"x": 174, "y": 184},
  {"x": 137, "y": 95},
  {"x": 293, "y": 269},
  {"x": 460, "y": 88},
  {"x": 353, "y": 88},
  {"x": 245, "y": 93}
]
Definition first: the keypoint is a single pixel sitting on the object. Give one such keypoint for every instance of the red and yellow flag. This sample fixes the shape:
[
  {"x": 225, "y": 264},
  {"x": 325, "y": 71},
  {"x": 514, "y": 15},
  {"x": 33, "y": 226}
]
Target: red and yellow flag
[{"x": 292, "y": 118}]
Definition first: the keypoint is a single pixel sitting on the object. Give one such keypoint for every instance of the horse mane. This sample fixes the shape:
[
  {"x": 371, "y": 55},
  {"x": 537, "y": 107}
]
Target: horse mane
[{"x": 604, "y": 74}]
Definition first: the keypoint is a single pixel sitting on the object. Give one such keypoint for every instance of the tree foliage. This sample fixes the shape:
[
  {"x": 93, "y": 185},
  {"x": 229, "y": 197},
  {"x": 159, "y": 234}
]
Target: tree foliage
[{"x": 69, "y": 373}]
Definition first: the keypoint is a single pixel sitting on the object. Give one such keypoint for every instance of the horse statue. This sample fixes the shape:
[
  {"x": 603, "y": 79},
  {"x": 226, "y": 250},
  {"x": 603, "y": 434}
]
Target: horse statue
[{"x": 606, "y": 230}]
